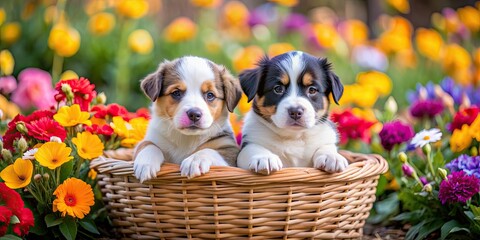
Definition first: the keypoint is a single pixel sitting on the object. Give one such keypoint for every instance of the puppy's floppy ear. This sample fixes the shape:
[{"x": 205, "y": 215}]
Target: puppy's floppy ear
[
  {"x": 231, "y": 88},
  {"x": 152, "y": 84},
  {"x": 334, "y": 85},
  {"x": 250, "y": 78}
]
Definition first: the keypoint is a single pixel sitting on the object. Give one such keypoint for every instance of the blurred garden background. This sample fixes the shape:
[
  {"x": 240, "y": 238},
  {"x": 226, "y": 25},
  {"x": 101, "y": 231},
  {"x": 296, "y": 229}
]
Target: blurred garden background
[{"x": 411, "y": 71}]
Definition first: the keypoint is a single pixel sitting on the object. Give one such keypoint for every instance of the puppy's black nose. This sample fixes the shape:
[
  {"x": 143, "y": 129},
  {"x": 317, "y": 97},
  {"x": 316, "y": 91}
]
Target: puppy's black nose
[
  {"x": 295, "y": 112},
  {"x": 194, "y": 114}
]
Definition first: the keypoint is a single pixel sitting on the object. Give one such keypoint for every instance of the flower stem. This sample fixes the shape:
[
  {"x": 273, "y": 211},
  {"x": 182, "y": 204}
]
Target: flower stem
[
  {"x": 430, "y": 165},
  {"x": 57, "y": 67}
]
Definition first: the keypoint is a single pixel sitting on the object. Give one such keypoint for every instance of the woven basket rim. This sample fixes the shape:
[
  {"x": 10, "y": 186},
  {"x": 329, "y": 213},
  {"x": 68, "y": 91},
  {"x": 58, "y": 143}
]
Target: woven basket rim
[{"x": 119, "y": 163}]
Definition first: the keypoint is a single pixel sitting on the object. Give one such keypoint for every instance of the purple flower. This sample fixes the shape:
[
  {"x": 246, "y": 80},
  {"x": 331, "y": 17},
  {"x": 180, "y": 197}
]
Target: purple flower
[
  {"x": 407, "y": 170},
  {"x": 370, "y": 58},
  {"x": 394, "y": 133},
  {"x": 263, "y": 15},
  {"x": 459, "y": 187},
  {"x": 426, "y": 108},
  {"x": 470, "y": 165},
  {"x": 423, "y": 180},
  {"x": 7, "y": 84},
  {"x": 413, "y": 96},
  {"x": 294, "y": 22}
]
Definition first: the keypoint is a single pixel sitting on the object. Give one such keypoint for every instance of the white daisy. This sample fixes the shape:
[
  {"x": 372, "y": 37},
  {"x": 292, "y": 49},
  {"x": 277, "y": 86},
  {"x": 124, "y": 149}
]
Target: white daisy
[
  {"x": 426, "y": 136},
  {"x": 30, "y": 154}
]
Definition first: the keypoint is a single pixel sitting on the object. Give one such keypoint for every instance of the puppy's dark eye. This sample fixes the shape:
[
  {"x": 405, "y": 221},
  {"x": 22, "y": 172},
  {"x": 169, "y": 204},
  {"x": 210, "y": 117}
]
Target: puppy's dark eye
[
  {"x": 279, "y": 89},
  {"x": 177, "y": 94},
  {"x": 210, "y": 96},
  {"x": 312, "y": 90}
]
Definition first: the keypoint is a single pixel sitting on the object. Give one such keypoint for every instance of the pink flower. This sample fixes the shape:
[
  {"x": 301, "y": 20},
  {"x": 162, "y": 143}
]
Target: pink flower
[
  {"x": 34, "y": 89},
  {"x": 7, "y": 84}
]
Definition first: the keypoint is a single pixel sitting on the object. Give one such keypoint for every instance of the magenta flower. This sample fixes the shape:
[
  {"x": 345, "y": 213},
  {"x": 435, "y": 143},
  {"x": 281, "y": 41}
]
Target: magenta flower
[
  {"x": 294, "y": 22},
  {"x": 7, "y": 84},
  {"x": 423, "y": 180},
  {"x": 459, "y": 187},
  {"x": 394, "y": 133},
  {"x": 426, "y": 108},
  {"x": 407, "y": 170},
  {"x": 34, "y": 89}
]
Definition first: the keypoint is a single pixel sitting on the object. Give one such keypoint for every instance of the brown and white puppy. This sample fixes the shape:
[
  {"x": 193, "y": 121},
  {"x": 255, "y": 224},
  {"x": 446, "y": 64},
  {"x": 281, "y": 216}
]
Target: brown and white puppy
[
  {"x": 189, "y": 126},
  {"x": 288, "y": 125}
]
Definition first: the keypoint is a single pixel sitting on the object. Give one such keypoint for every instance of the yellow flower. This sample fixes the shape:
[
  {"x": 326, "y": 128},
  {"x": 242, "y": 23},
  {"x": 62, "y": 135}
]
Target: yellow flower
[
  {"x": 136, "y": 132},
  {"x": 180, "y": 30},
  {"x": 69, "y": 74},
  {"x": 236, "y": 123},
  {"x": 376, "y": 80},
  {"x": 397, "y": 37},
  {"x": 73, "y": 197},
  {"x": 279, "y": 48},
  {"x": 476, "y": 57},
  {"x": 53, "y": 154},
  {"x": 400, "y": 5},
  {"x": 2, "y": 16},
  {"x": 406, "y": 58},
  {"x": 244, "y": 106},
  {"x": 456, "y": 58},
  {"x": 10, "y": 109},
  {"x": 64, "y": 40},
  {"x": 461, "y": 139},
  {"x": 10, "y": 32},
  {"x": 120, "y": 127},
  {"x": 92, "y": 174},
  {"x": 235, "y": 13},
  {"x": 101, "y": 23},
  {"x": 247, "y": 57},
  {"x": 71, "y": 116},
  {"x": 325, "y": 34},
  {"x": 362, "y": 96},
  {"x": 475, "y": 128},
  {"x": 89, "y": 146},
  {"x": 470, "y": 16},
  {"x": 206, "y": 3},
  {"x": 18, "y": 174},
  {"x": 132, "y": 8},
  {"x": 429, "y": 43},
  {"x": 98, "y": 121},
  {"x": 140, "y": 41},
  {"x": 286, "y": 3},
  {"x": 355, "y": 32},
  {"x": 6, "y": 62}
]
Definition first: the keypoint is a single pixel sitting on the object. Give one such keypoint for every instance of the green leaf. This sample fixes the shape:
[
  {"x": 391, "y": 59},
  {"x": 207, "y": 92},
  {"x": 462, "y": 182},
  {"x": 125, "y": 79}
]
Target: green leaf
[
  {"x": 431, "y": 226},
  {"x": 68, "y": 228},
  {"x": 475, "y": 210},
  {"x": 451, "y": 227},
  {"x": 52, "y": 220},
  {"x": 10, "y": 237},
  {"x": 414, "y": 230},
  {"x": 382, "y": 183},
  {"x": 388, "y": 205},
  {"x": 66, "y": 170},
  {"x": 438, "y": 160},
  {"x": 409, "y": 216},
  {"x": 89, "y": 225}
]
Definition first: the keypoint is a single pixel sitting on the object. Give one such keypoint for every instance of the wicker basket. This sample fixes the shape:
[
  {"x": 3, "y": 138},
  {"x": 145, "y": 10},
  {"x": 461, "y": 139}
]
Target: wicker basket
[{"x": 231, "y": 203}]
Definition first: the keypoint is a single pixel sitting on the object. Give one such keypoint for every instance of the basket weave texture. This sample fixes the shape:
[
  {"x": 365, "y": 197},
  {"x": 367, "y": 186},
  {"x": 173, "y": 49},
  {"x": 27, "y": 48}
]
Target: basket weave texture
[{"x": 232, "y": 203}]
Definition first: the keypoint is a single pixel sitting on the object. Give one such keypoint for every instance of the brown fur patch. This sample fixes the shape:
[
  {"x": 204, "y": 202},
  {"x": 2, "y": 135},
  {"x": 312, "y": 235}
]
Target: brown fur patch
[
  {"x": 177, "y": 85},
  {"x": 307, "y": 79},
  {"x": 265, "y": 112},
  {"x": 166, "y": 106},
  {"x": 216, "y": 106},
  {"x": 225, "y": 145},
  {"x": 324, "y": 110},
  {"x": 284, "y": 79}
]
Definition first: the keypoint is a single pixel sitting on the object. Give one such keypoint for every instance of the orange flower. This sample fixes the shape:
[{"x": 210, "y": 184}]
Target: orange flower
[
  {"x": 456, "y": 59},
  {"x": 64, "y": 40},
  {"x": 429, "y": 43},
  {"x": 73, "y": 197},
  {"x": 325, "y": 34},
  {"x": 132, "y": 8},
  {"x": 354, "y": 31},
  {"x": 10, "y": 32},
  {"x": 206, "y": 3},
  {"x": 470, "y": 16},
  {"x": 286, "y": 3},
  {"x": 400, "y": 5},
  {"x": 247, "y": 57},
  {"x": 235, "y": 13},
  {"x": 279, "y": 48},
  {"x": 101, "y": 23},
  {"x": 180, "y": 30},
  {"x": 140, "y": 41}
]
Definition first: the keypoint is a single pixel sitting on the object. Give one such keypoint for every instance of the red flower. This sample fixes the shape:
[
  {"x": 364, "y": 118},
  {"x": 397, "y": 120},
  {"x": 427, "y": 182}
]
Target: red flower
[
  {"x": 464, "y": 116},
  {"x": 100, "y": 111},
  {"x": 83, "y": 92},
  {"x": 44, "y": 128},
  {"x": 351, "y": 127},
  {"x": 5, "y": 214},
  {"x": 143, "y": 112},
  {"x": 26, "y": 221},
  {"x": 12, "y": 134},
  {"x": 103, "y": 130},
  {"x": 116, "y": 110},
  {"x": 3, "y": 229}
]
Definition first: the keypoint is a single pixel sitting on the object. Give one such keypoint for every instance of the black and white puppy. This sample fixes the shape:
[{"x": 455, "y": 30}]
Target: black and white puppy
[
  {"x": 288, "y": 125},
  {"x": 190, "y": 126}
]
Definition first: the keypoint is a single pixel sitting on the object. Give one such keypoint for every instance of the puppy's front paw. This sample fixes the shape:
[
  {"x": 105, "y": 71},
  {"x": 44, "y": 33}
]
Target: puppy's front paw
[
  {"x": 330, "y": 162},
  {"x": 147, "y": 163},
  {"x": 265, "y": 163},
  {"x": 197, "y": 164}
]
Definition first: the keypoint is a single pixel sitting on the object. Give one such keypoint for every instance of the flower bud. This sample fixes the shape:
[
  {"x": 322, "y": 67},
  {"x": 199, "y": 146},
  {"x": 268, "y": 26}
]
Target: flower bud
[
  {"x": 68, "y": 91},
  {"x": 6, "y": 155},
  {"x": 22, "y": 144},
  {"x": 407, "y": 170},
  {"x": 422, "y": 93},
  {"x": 403, "y": 157},
  {"x": 55, "y": 139},
  {"x": 391, "y": 105},
  {"x": 1, "y": 145},
  {"x": 101, "y": 98},
  {"x": 474, "y": 151},
  {"x": 423, "y": 180},
  {"x": 427, "y": 149},
  {"x": 427, "y": 188},
  {"x": 46, "y": 176},
  {"x": 20, "y": 126},
  {"x": 37, "y": 177},
  {"x": 443, "y": 173}
]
